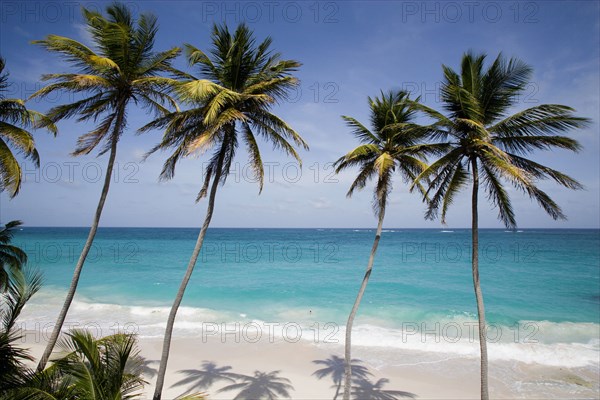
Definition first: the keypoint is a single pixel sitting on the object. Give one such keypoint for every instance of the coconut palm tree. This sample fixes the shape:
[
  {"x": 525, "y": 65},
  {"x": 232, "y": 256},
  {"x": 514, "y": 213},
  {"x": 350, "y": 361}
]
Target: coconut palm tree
[
  {"x": 105, "y": 368},
  {"x": 88, "y": 368},
  {"x": 231, "y": 102},
  {"x": 364, "y": 389},
  {"x": 11, "y": 256},
  {"x": 21, "y": 286},
  {"x": 487, "y": 147},
  {"x": 121, "y": 68},
  {"x": 394, "y": 144},
  {"x": 335, "y": 367},
  {"x": 15, "y": 119},
  {"x": 261, "y": 385}
]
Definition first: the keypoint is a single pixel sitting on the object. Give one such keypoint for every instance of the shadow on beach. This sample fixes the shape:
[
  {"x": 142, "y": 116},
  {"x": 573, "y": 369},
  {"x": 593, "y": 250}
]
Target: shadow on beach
[
  {"x": 271, "y": 385},
  {"x": 147, "y": 370},
  {"x": 363, "y": 388},
  {"x": 248, "y": 387}
]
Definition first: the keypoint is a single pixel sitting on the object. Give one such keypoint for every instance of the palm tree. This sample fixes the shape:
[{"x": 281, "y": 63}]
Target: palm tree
[
  {"x": 204, "y": 378},
  {"x": 105, "y": 368},
  {"x": 260, "y": 386},
  {"x": 335, "y": 367},
  {"x": 241, "y": 81},
  {"x": 11, "y": 257},
  {"x": 89, "y": 368},
  {"x": 21, "y": 286},
  {"x": 487, "y": 146},
  {"x": 365, "y": 389},
  {"x": 393, "y": 143},
  {"x": 15, "y": 119},
  {"x": 121, "y": 68}
]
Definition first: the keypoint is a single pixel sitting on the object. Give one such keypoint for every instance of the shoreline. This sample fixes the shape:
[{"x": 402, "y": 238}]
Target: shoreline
[
  {"x": 453, "y": 377},
  {"x": 552, "y": 344}
]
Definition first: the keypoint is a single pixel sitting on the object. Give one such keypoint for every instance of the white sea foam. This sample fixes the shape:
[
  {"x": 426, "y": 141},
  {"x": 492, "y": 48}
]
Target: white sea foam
[
  {"x": 566, "y": 354},
  {"x": 565, "y": 344}
]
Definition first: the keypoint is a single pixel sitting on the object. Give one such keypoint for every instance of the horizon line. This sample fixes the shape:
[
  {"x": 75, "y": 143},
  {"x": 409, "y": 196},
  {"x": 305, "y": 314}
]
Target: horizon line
[{"x": 293, "y": 227}]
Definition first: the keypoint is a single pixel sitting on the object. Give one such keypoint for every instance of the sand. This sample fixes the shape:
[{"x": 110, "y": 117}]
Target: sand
[{"x": 411, "y": 372}]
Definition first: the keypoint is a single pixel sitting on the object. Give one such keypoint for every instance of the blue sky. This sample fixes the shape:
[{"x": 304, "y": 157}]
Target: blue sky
[{"x": 349, "y": 50}]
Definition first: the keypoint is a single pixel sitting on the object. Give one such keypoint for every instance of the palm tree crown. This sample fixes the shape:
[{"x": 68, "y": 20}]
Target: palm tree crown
[
  {"x": 11, "y": 257},
  {"x": 393, "y": 143},
  {"x": 105, "y": 368},
  {"x": 481, "y": 135},
  {"x": 21, "y": 286},
  {"x": 239, "y": 83},
  {"x": 15, "y": 119},
  {"x": 122, "y": 67},
  {"x": 88, "y": 368}
]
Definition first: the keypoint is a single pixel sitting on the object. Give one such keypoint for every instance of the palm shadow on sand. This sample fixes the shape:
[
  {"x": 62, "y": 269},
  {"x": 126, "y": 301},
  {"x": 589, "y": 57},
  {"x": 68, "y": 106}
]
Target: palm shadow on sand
[
  {"x": 261, "y": 385},
  {"x": 147, "y": 370},
  {"x": 334, "y": 367},
  {"x": 363, "y": 388},
  {"x": 203, "y": 379}
]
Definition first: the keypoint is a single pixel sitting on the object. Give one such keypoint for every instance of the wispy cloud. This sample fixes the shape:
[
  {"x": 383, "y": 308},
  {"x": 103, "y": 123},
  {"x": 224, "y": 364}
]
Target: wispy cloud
[
  {"x": 22, "y": 32},
  {"x": 321, "y": 203}
]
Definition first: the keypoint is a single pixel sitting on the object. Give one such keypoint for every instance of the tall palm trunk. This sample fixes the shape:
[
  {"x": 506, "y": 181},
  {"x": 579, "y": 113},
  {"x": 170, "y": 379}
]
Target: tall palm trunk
[
  {"x": 363, "y": 286},
  {"x": 90, "y": 239},
  {"x": 477, "y": 285},
  {"x": 160, "y": 380}
]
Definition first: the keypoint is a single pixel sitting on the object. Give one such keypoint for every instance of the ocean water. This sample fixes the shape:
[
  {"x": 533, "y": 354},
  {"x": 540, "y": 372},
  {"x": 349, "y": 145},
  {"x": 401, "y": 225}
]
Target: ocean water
[{"x": 541, "y": 287}]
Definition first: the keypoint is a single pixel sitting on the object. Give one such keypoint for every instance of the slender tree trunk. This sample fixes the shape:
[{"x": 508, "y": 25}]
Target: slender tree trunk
[
  {"x": 363, "y": 286},
  {"x": 477, "y": 285},
  {"x": 88, "y": 243},
  {"x": 160, "y": 380}
]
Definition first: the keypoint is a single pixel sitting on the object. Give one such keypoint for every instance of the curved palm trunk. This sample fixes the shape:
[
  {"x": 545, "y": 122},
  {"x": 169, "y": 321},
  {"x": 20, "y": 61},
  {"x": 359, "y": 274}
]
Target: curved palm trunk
[
  {"x": 88, "y": 243},
  {"x": 363, "y": 286},
  {"x": 160, "y": 380},
  {"x": 477, "y": 285}
]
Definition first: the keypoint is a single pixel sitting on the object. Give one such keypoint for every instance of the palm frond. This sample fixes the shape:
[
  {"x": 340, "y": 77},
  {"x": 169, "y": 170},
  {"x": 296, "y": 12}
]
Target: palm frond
[{"x": 499, "y": 197}]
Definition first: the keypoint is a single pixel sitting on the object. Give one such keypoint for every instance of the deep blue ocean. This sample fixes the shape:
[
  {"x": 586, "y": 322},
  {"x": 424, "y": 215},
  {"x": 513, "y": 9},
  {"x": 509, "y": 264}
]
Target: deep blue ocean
[{"x": 541, "y": 287}]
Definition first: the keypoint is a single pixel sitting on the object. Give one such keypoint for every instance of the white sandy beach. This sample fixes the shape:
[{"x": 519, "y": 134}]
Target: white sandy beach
[{"x": 451, "y": 378}]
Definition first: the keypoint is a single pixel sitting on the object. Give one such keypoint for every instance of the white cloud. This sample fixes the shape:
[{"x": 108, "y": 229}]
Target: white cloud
[{"x": 321, "y": 203}]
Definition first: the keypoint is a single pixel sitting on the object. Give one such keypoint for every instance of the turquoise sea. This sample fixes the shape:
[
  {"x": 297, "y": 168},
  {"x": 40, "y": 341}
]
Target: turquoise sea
[{"x": 541, "y": 287}]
